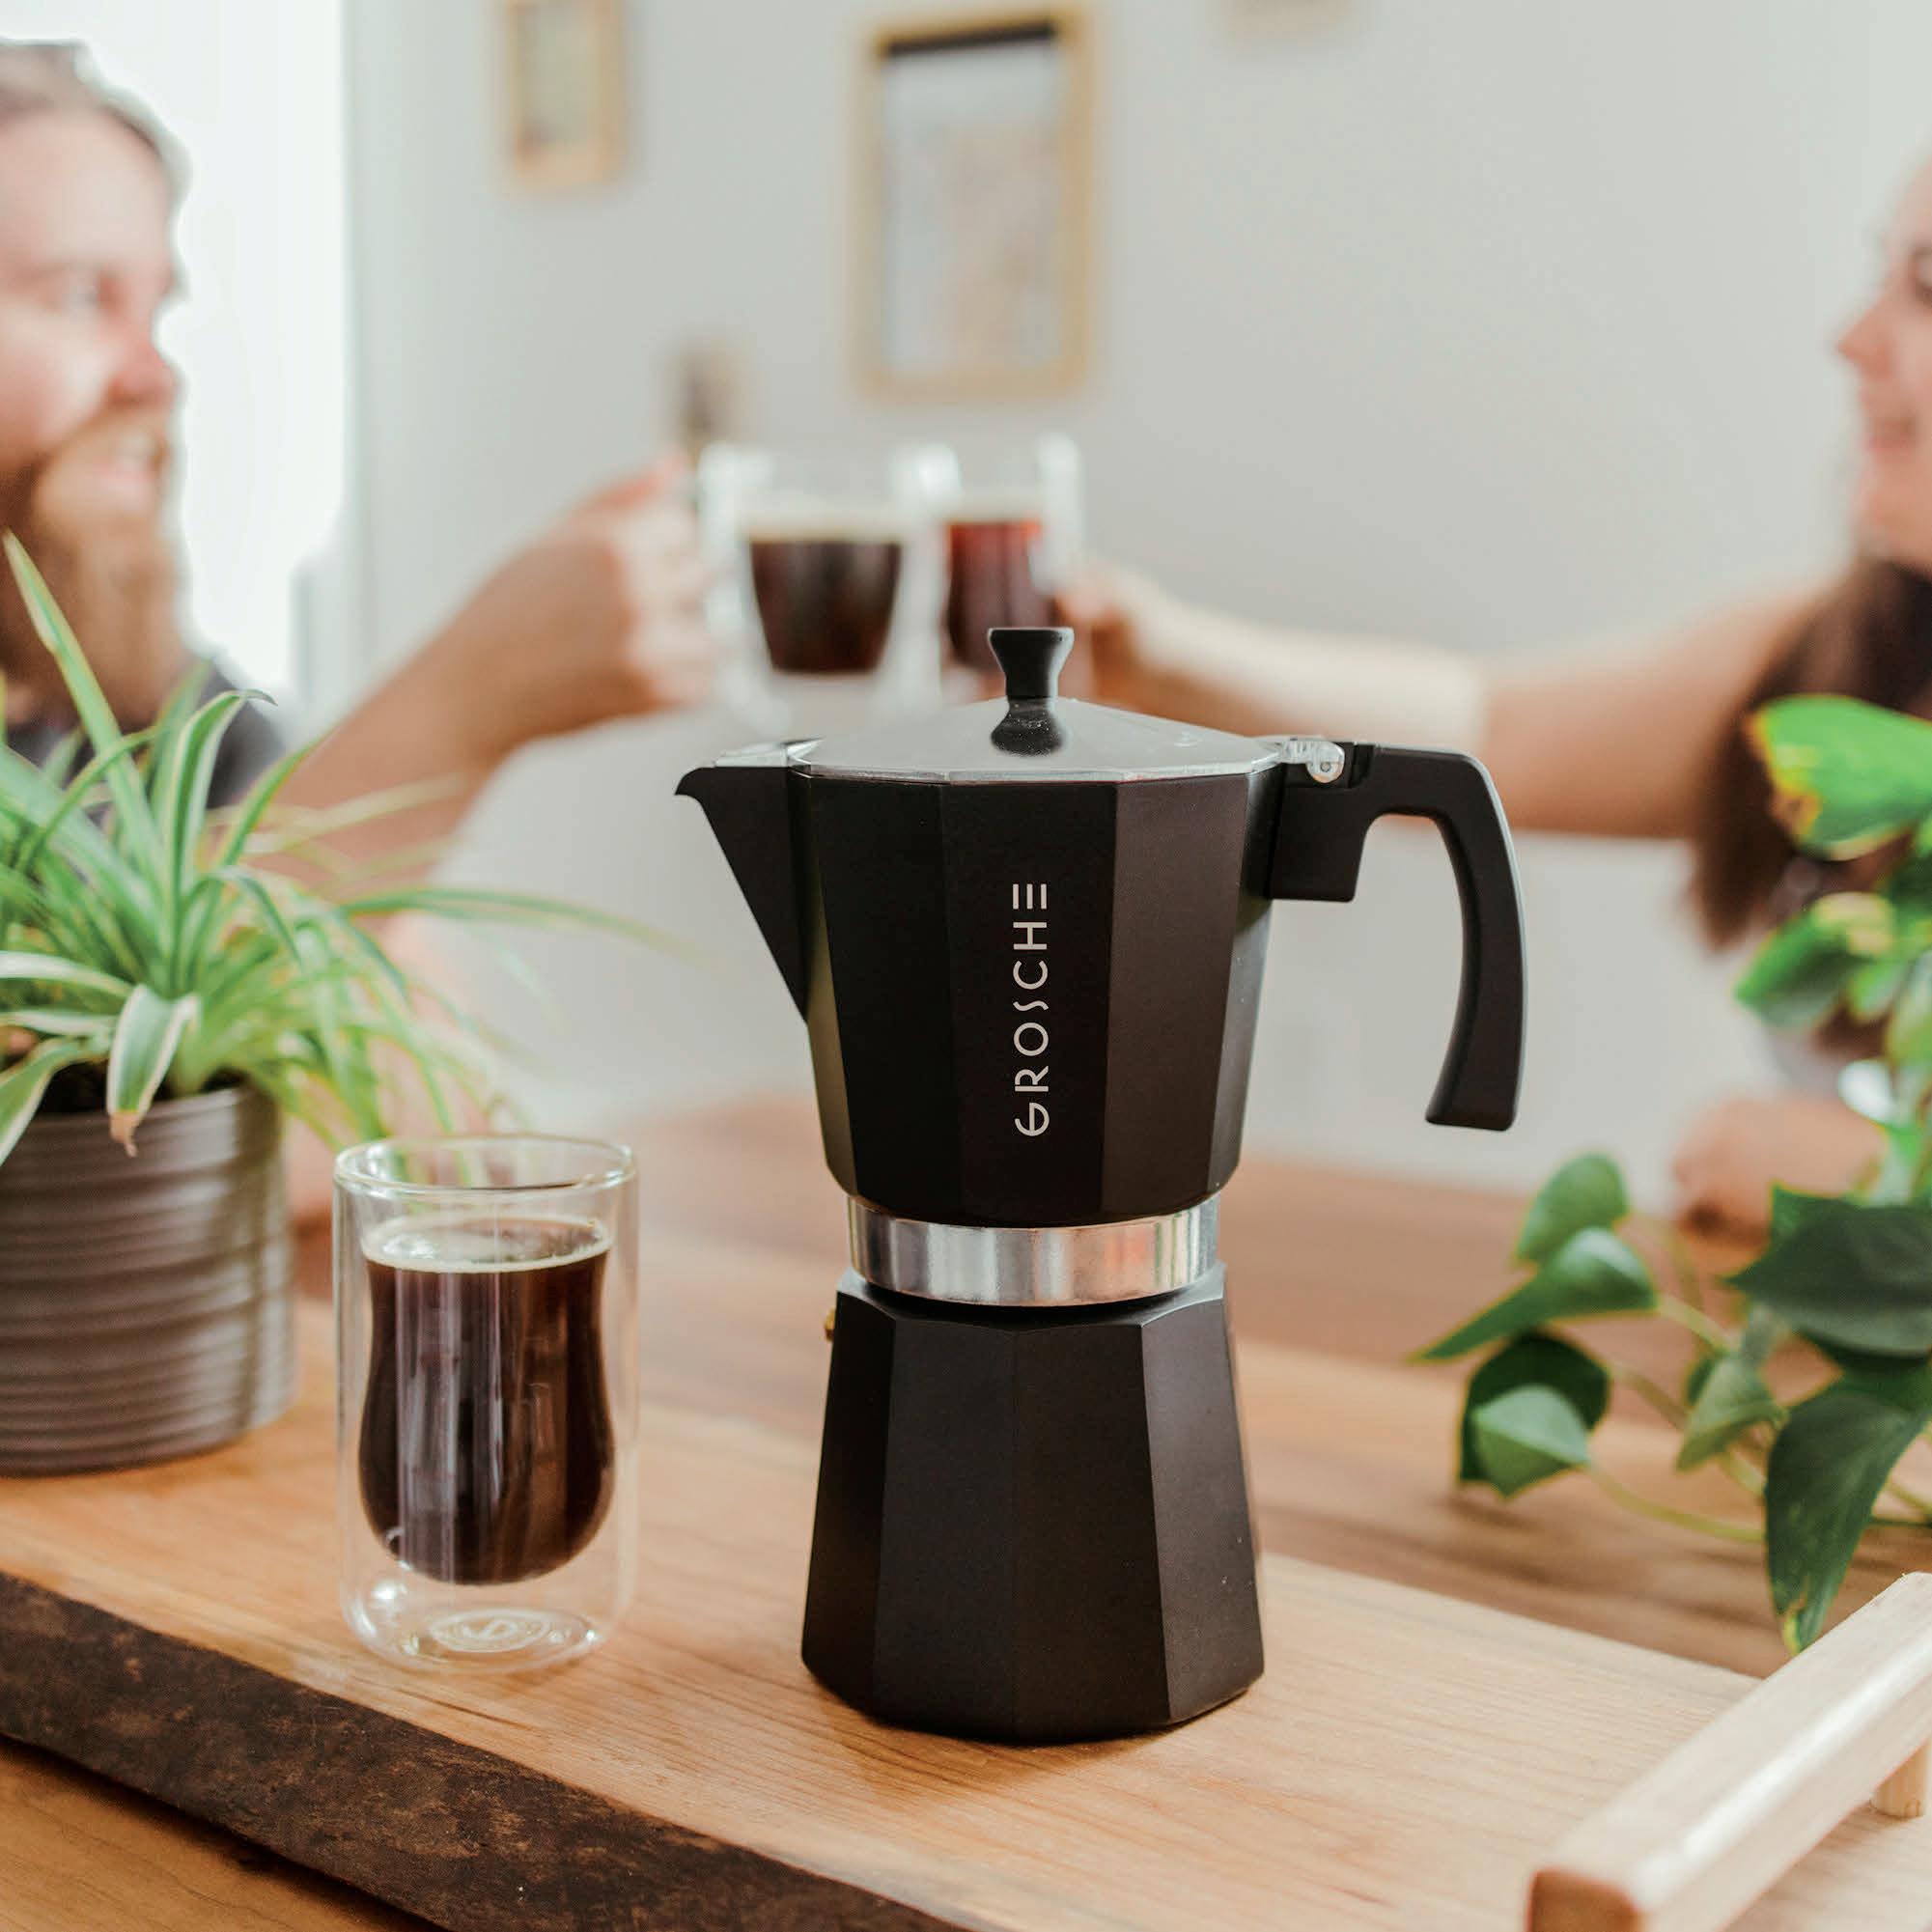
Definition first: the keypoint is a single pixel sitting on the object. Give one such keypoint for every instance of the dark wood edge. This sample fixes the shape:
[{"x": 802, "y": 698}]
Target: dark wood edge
[{"x": 461, "y": 1837}]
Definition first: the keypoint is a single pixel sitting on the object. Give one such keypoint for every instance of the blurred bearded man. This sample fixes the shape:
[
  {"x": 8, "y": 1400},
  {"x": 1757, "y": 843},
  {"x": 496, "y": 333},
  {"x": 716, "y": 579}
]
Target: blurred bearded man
[
  {"x": 596, "y": 618},
  {"x": 90, "y": 516}
]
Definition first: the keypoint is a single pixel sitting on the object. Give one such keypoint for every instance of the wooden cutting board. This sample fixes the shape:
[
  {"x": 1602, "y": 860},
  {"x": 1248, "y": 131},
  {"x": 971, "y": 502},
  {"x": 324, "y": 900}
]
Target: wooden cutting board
[{"x": 1406, "y": 1761}]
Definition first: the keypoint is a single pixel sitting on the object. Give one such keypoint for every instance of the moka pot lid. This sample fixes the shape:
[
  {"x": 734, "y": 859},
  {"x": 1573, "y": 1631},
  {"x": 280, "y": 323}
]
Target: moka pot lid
[{"x": 1031, "y": 735}]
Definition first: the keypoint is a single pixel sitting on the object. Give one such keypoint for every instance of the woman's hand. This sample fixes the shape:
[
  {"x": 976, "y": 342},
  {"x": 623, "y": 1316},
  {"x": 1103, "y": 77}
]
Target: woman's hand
[
  {"x": 599, "y": 617},
  {"x": 1118, "y": 615},
  {"x": 1150, "y": 651},
  {"x": 1733, "y": 1153},
  {"x": 1147, "y": 652}
]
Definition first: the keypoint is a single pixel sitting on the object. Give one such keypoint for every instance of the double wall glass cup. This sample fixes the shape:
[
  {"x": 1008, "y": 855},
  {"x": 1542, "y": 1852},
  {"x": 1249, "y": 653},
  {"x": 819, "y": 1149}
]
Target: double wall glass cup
[
  {"x": 1012, "y": 530},
  {"x": 827, "y": 573},
  {"x": 486, "y": 1300}
]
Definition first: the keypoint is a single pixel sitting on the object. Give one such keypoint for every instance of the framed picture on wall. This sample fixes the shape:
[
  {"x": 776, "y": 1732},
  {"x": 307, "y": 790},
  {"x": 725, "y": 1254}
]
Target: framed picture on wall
[
  {"x": 563, "y": 64},
  {"x": 974, "y": 203}
]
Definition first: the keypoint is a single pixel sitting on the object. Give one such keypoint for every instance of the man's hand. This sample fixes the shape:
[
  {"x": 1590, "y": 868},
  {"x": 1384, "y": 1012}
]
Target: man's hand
[
  {"x": 1733, "y": 1151},
  {"x": 599, "y": 617},
  {"x": 1116, "y": 613}
]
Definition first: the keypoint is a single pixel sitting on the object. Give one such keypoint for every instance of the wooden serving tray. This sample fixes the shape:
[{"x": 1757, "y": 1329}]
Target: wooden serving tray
[{"x": 1407, "y": 1761}]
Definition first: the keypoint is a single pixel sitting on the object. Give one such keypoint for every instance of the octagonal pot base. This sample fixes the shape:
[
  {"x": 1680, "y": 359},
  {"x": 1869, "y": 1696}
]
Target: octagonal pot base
[{"x": 1033, "y": 1525}]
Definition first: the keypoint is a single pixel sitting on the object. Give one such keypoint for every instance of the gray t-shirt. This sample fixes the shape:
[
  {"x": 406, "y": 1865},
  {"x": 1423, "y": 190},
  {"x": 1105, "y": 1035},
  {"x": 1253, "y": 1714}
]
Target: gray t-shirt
[{"x": 252, "y": 742}]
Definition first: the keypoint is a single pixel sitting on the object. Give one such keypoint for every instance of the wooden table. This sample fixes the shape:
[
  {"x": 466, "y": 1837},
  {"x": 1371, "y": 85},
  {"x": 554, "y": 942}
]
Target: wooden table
[{"x": 1333, "y": 1279}]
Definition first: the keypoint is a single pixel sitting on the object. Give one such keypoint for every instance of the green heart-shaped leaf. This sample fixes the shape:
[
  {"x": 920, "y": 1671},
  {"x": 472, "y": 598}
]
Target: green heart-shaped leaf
[
  {"x": 1908, "y": 1034},
  {"x": 1871, "y": 988},
  {"x": 1592, "y": 1274},
  {"x": 1791, "y": 1209},
  {"x": 1586, "y": 1192},
  {"x": 1827, "y": 1468},
  {"x": 1729, "y": 1400},
  {"x": 1797, "y": 977},
  {"x": 1846, "y": 775},
  {"x": 1851, "y": 1275},
  {"x": 1532, "y": 1360},
  {"x": 1527, "y": 1436},
  {"x": 1864, "y": 922},
  {"x": 1697, "y": 1375}
]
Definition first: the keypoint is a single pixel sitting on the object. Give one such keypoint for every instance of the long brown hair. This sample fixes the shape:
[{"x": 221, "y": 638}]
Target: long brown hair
[{"x": 1870, "y": 637}]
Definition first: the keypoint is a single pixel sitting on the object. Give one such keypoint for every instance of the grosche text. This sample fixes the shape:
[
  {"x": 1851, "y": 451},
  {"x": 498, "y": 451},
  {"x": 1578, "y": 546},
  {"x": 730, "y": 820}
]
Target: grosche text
[{"x": 1030, "y": 1039}]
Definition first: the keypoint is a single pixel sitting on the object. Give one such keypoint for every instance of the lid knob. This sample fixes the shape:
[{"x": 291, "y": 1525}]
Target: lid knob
[{"x": 1031, "y": 656}]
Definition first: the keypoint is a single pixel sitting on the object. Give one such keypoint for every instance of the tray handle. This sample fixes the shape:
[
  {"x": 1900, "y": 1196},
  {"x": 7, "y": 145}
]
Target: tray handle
[{"x": 1726, "y": 1815}]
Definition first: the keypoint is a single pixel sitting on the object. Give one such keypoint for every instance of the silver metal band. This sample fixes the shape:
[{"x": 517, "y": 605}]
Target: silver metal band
[{"x": 1035, "y": 1266}]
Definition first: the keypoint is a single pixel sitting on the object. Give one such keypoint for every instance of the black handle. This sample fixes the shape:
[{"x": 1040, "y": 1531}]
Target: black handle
[{"x": 1318, "y": 843}]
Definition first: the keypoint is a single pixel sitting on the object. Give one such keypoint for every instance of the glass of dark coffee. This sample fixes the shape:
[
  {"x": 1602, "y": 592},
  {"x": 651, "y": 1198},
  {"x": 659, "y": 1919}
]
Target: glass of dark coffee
[
  {"x": 828, "y": 569},
  {"x": 485, "y": 1293},
  {"x": 1012, "y": 519}
]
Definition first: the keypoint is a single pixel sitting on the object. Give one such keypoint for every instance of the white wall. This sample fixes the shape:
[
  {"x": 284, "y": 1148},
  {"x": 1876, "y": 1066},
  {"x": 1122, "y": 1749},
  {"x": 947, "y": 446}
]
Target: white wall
[
  {"x": 1493, "y": 323},
  {"x": 252, "y": 95}
]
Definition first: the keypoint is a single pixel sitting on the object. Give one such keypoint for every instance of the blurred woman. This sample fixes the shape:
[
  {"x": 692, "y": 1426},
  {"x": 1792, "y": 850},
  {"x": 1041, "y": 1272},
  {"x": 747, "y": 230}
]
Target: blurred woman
[{"x": 1643, "y": 741}]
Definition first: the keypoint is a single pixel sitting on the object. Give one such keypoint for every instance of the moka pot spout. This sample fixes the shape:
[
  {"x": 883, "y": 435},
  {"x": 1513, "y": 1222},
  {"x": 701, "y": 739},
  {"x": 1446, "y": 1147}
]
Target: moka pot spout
[{"x": 746, "y": 797}]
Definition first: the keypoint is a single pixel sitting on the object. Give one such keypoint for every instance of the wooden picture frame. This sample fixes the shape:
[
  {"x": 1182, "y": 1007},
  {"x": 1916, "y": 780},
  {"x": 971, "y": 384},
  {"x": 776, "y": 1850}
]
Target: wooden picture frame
[
  {"x": 973, "y": 245},
  {"x": 563, "y": 92}
]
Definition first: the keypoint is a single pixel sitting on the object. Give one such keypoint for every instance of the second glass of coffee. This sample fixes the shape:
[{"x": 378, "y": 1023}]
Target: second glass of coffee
[{"x": 1013, "y": 536}]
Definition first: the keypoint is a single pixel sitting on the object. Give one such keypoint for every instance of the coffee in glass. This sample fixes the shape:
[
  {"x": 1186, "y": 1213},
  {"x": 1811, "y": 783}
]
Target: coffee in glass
[
  {"x": 998, "y": 578},
  {"x": 1013, "y": 516},
  {"x": 828, "y": 576},
  {"x": 486, "y": 1452},
  {"x": 826, "y": 586}
]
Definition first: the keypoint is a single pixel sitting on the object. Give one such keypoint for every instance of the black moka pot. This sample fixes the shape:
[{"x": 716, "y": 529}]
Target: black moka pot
[{"x": 1026, "y": 937}]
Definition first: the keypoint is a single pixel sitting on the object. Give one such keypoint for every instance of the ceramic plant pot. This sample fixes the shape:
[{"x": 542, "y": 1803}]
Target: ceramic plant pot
[{"x": 146, "y": 1301}]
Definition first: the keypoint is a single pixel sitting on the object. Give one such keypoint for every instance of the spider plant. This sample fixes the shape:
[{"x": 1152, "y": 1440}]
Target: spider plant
[{"x": 179, "y": 947}]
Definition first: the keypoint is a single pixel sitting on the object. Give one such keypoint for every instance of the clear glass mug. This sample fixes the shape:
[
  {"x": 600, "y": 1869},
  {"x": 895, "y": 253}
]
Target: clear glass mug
[
  {"x": 1013, "y": 518},
  {"x": 486, "y": 1401},
  {"x": 827, "y": 579}
]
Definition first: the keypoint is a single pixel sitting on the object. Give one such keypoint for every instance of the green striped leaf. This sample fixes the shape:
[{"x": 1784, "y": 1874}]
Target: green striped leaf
[
  {"x": 182, "y": 782},
  {"x": 168, "y": 727},
  {"x": 23, "y": 1084},
  {"x": 240, "y": 825},
  {"x": 57, "y": 767},
  {"x": 43, "y": 969},
  {"x": 513, "y": 908},
  {"x": 144, "y": 1040},
  {"x": 97, "y": 714},
  {"x": 73, "y": 800},
  {"x": 59, "y": 1020},
  {"x": 27, "y": 797}
]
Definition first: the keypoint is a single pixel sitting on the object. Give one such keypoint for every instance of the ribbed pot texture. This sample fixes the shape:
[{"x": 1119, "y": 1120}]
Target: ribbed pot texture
[{"x": 146, "y": 1301}]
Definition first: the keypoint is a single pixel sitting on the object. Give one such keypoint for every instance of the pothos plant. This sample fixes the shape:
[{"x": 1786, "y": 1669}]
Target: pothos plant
[
  {"x": 170, "y": 947},
  {"x": 1842, "y": 1289}
]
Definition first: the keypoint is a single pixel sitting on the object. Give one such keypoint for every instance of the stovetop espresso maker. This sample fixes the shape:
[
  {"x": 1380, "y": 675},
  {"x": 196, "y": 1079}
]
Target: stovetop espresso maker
[{"x": 1026, "y": 937}]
